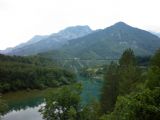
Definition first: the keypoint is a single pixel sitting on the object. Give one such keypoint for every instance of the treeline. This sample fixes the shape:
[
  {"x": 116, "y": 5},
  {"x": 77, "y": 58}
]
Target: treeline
[
  {"x": 34, "y": 60},
  {"x": 31, "y": 73},
  {"x": 91, "y": 71},
  {"x": 129, "y": 93},
  {"x": 141, "y": 61}
]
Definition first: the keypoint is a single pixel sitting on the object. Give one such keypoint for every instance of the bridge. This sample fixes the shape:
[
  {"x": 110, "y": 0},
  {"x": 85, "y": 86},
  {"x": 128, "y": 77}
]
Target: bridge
[
  {"x": 81, "y": 59},
  {"x": 77, "y": 63}
]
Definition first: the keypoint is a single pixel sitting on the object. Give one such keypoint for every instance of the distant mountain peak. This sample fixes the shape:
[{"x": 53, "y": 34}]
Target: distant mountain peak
[
  {"x": 54, "y": 41},
  {"x": 120, "y": 23},
  {"x": 81, "y": 41},
  {"x": 78, "y": 28},
  {"x": 120, "y": 26}
]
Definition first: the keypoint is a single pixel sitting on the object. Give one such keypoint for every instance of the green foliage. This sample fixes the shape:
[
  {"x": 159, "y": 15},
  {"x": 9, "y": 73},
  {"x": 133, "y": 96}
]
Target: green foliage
[
  {"x": 119, "y": 80},
  {"x": 91, "y": 71},
  {"x": 129, "y": 73},
  {"x": 110, "y": 88},
  {"x": 153, "y": 78},
  {"x": 139, "y": 106},
  {"x": 34, "y": 60},
  {"x": 17, "y": 73},
  {"x": 92, "y": 111},
  {"x": 127, "y": 58},
  {"x": 63, "y": 105},
  {"x": 155, "y": 60},
  {"x": 3, "y": 106},
  {"x": 129, "y": 77},
  {"x": 143, "y": 60}
]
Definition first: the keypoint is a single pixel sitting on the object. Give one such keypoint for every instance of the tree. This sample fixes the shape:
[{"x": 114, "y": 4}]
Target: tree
[
  {"x": 3, "y": 106},
  {"x": 129, "y": 73},
  {"x": 119, "y": 80},
  {"x": 127, "y": 58},
  {"x": 144, "y": 105},
  {"x": 153, "y": 80},
  {"x": 110, "y": 88},
  {"x": 63, "y": 105},
  {"x": 155, "y": 60},
  {"x": 91, "y": 111}
]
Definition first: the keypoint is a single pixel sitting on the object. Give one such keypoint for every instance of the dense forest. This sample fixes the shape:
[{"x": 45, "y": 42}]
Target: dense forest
[
  {"x": 136, "y": 95},
  {"x": 31, "y": 73},
  {"x": 129, "y": 93}
]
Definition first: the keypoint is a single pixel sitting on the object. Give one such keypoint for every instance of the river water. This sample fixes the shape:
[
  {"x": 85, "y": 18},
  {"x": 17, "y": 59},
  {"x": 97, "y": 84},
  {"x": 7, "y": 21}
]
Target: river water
[{"x": 24, "y": 105}]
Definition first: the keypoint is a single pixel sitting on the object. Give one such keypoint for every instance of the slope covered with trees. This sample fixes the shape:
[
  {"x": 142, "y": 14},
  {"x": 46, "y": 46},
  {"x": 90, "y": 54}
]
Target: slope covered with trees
[
  {"x": 138, "y": 92},
  {"x": 111, "y": 42},
  {"x": 30, "y": 73}
]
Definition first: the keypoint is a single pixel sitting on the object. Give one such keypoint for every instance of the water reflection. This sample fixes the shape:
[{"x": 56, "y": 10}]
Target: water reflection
[
  {"x": 91, "y": 89},
  {"x": 30, "y": 113},
  {"x": 24, "y": 105}
]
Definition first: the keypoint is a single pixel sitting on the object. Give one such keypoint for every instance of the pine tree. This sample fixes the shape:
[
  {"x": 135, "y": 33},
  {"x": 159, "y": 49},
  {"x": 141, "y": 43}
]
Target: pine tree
[
  {"x": 154, "y": 72},
  {"x": 128, "y": 71},
  {"x": 110, "y": 88},
  {"x": 127, "y": 58},
  {"x": 155, "y": 61}
]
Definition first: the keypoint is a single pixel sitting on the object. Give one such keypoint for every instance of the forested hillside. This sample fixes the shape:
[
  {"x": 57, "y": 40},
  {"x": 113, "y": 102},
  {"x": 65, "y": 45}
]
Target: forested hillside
[
  {"x": 30, "y": 73},
  {"x": 109, "y": 43}
]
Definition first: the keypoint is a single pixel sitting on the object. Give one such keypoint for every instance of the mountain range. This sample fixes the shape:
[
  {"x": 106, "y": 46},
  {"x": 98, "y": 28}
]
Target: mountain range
[
  {"x": 82, "y": 42},
  {"x": 48, "y": 42},
  {"x": 109, "y": 43}
]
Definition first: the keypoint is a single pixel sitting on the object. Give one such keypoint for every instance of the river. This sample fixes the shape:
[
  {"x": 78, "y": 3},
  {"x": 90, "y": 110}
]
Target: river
[{"x": 24, "y": 105}]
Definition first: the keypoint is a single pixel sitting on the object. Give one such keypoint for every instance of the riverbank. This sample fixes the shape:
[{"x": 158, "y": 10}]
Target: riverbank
[{"x": 27, "y": 103}]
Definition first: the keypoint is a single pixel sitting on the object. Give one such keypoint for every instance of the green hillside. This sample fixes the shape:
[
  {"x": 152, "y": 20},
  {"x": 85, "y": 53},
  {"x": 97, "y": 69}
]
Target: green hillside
[
  {"x": 112, "y": 41},
  {"x": 31, "y": 73}
]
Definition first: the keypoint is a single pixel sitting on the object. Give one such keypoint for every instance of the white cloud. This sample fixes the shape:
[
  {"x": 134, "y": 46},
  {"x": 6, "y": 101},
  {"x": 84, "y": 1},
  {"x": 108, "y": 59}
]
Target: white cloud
[{"x": 21, "y": 19}]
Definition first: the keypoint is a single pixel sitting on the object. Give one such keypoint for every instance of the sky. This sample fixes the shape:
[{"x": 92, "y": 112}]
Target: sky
[{"x": 20, "y": 20}]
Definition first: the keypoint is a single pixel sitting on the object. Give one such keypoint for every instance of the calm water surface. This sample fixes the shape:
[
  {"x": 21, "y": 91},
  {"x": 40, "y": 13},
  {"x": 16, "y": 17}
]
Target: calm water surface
[{"x": 24, "y": 105}]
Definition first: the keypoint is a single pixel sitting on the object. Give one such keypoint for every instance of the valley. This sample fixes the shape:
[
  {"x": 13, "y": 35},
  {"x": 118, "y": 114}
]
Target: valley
[{"x": 82, "y": 74}]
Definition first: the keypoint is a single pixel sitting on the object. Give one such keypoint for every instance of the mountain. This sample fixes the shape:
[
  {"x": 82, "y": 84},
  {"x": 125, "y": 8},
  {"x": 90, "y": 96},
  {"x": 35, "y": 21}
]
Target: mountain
[
  {"x": 33, "y": 40},
  {"x": 156, "y": 33},
  {"x": 112, "y": 41},
  {"x": 82, "y": 42},
  {"x": 45, "y": 43},
  {"x": 109, "y": 43}
]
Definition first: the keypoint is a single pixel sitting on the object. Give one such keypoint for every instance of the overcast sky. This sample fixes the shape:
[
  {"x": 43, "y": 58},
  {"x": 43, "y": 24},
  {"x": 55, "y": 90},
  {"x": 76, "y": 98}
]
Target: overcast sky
[{"x": 22, "y": 19}]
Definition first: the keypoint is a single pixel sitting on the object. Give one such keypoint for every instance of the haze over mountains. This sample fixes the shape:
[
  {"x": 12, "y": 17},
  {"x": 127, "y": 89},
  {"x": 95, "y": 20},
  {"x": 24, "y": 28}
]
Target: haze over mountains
[
  {"x": 82, "y": 42},
  {"x": 112, "y": 41},
  {"x": 44, "y": 43}
]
